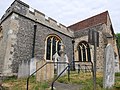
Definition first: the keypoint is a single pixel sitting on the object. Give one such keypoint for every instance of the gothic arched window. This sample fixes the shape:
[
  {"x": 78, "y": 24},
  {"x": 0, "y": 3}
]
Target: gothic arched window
[
  {"x": 52, "y": 46},
  {"x": 84, "y": 54}
]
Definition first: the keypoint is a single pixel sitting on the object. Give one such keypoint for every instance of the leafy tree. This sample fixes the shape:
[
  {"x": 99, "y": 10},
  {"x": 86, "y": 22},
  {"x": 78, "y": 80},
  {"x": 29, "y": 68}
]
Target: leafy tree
[
  {"x": 118, "y": 42},
  {"x": 118, "y": 39}
]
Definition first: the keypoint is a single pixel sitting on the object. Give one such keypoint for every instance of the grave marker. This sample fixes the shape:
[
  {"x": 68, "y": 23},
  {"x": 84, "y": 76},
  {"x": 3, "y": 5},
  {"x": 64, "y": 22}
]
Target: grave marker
[{"x": 109, "y": 72}]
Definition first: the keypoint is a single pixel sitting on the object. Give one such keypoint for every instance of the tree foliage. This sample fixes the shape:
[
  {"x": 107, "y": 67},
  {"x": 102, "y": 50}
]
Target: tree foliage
[{"x": 118, "y": 39}]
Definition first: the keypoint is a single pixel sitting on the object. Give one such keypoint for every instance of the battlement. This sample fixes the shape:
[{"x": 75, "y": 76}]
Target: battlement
[
  {"x": 48, "y": 21},
  {"x": 23, "y": 9}
]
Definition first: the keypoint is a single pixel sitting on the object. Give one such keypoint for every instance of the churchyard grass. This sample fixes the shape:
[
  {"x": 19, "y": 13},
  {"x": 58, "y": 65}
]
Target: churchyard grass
[
  {"x": 83, "y": 79},
  {"x": 117, "y": 81},
  {"x": 86, "y": 80},
  {"x": 12, "y": 83}
]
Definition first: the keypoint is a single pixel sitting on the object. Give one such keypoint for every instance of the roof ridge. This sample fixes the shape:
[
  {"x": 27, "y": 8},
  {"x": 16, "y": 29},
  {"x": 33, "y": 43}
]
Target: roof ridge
[{"x": 90, "y": 21}]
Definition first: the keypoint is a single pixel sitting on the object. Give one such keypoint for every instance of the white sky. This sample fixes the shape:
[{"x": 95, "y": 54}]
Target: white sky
[{"x": 69, "y": 12}]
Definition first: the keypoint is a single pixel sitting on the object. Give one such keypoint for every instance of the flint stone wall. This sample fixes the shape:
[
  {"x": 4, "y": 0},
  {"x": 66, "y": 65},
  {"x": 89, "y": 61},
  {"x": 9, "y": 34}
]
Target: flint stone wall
[
  {"x": 23, "y": 42},
  {"x": 82, "y": 35}
]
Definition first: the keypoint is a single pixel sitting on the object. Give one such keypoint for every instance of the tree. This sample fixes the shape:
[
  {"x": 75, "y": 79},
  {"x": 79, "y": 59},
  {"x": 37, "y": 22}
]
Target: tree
[{"x": 118, "y": 41}]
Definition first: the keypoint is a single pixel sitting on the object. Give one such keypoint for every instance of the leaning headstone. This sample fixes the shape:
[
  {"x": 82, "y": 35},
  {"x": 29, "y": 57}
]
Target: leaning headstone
[
  {"x": 109, "y": 72},
  {"x": 23, "y": 70}
]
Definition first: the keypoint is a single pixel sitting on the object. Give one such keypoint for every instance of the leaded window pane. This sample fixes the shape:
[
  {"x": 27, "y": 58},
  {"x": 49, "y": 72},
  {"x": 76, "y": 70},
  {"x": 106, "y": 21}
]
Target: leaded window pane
[
  {"x": 79, "y": 53},
  {"x": 54, "y": 46},
  {"x": 51, "y": 50},
  {"x": 84, "y": 52},
  {"x": 58, "y": 48},
  {"x": 48, "y": 49}
]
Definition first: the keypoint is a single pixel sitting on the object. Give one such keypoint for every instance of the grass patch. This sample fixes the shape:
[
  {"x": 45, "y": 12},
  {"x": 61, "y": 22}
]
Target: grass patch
[
  {"x": 117, "y": 81},
  {"x": 83, "y": 79},
  {"x": 12, "y": 83},
  {"x": 117, "y": 74},
  {"x": 86, "y": 80},
  {"x": 75, "y": 78}
]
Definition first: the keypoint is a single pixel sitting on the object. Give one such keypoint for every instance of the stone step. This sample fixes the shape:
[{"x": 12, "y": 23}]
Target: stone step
[{"x": 63, "y": 86}]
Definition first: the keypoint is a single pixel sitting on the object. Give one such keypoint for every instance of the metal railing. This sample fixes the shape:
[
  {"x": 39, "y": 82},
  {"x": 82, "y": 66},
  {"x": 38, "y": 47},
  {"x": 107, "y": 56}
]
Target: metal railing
[
  {"x": 58, "y": 77},
  {"x": 67, "y": 67},
  {"x": 27, "y": 87},
  {"x": 52, "y": 85},
  {"x": 85, "y": 67}
]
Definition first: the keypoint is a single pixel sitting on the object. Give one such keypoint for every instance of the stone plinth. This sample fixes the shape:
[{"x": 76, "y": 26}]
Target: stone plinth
[{"x": 46, "y": 73}]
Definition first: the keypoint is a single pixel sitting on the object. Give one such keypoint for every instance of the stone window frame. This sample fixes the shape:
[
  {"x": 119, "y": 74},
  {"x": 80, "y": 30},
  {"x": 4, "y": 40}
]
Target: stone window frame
[
  {"x": 84, "y": 52},
  {"x": 53, "y": 39}
]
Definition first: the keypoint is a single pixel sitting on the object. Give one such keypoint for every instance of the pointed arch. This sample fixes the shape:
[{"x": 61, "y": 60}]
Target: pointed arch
[
  {"x": 52, "y": 45},
  {"x": 84, "y": 54}
]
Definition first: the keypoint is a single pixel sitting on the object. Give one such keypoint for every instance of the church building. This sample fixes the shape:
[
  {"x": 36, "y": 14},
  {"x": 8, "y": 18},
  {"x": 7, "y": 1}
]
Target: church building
[{"x": 27, "y": 33}]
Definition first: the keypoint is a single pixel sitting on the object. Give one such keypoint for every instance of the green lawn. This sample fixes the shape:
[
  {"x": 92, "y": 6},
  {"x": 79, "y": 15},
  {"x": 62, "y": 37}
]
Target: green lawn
[
  {"x": 13, "y": 83},
  {"x": 84, "y": 79}
]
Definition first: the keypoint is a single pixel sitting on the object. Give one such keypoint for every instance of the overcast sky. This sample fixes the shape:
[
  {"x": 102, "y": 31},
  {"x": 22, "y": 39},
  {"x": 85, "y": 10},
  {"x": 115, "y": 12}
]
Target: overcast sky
[{"x": 69, "y": 12}]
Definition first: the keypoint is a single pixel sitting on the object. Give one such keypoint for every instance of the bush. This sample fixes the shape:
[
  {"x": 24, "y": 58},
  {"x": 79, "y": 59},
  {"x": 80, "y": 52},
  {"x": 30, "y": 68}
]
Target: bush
[{"x": 117, "y": 74}]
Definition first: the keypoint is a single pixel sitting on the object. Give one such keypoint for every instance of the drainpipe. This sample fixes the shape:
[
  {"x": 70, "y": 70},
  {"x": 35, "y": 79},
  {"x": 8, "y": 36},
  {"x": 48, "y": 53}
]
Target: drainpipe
[
  {"x": 33, "y": 49},
  {"x": 73, "y": 41}
]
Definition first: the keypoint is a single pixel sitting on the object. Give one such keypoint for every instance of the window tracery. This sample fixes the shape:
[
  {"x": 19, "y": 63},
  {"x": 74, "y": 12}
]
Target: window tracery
[
  {"x": 84, "y": 54},
  {"x": 52, "y": 46}
]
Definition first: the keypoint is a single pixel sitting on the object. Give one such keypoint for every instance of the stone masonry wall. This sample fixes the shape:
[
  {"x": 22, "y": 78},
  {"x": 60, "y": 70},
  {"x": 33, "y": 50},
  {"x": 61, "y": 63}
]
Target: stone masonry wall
[
  {"x": 21, "y": 39},
  {"x": 23, "y": 48},
  {"x": 82, "y": 35},
  {"x": 19, "y": 22},
  {"x": 3, "y": 42},
  {"x": 24, "y": 41}
]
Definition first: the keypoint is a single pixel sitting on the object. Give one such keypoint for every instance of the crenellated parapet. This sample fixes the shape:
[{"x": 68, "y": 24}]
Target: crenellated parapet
[{"x": 25, "y": 10}]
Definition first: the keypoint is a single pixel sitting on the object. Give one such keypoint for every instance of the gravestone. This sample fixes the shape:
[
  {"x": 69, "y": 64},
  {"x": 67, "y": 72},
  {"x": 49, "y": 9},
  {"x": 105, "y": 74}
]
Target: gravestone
[
  {"x": 45, "y": 73},
  {"x": 62, "y": 66},
  {"x": 24, "y": 69},
  {"x": 55, "y": 57},
  {"x": 63, "y": 58},
  {"x": 59, "y": 66},
  {"x": 109, "y": 72},
  {"x": 33, "y": 62}
]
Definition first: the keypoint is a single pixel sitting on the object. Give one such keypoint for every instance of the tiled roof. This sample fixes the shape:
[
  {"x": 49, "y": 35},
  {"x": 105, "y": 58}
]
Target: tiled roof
[{"x": 100, "y": 18}]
